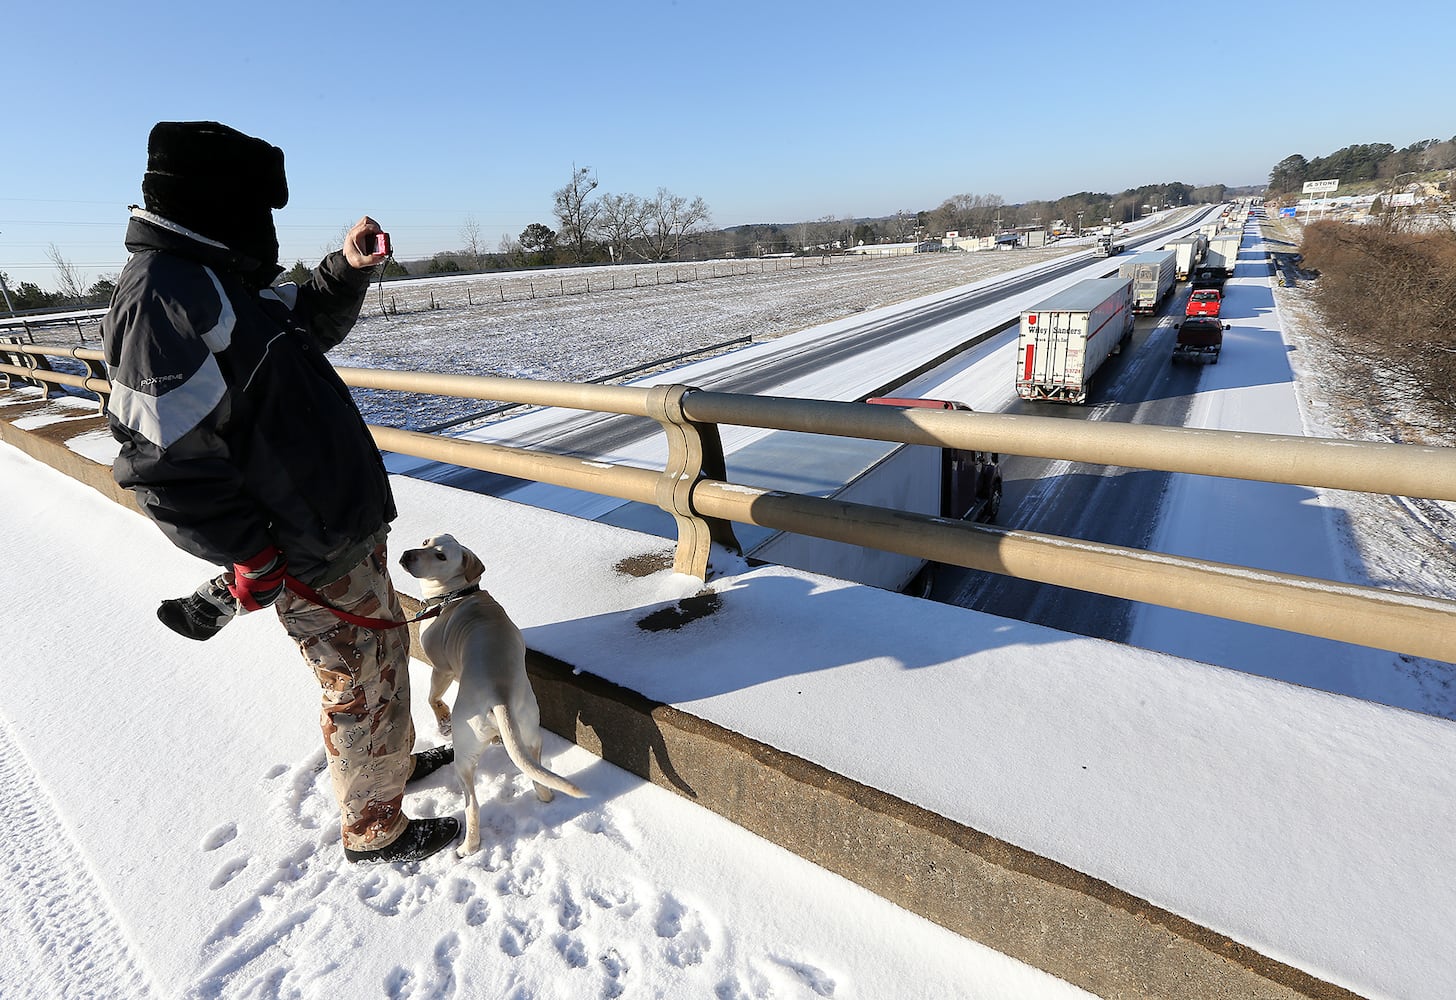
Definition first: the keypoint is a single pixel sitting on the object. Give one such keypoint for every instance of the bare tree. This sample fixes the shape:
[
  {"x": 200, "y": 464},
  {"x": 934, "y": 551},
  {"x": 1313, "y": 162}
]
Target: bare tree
[
  {"x": 576, "y": 210},
  {"x": 964, "y": 213},
  {"x": 337, "y": 244},
  {"x": 669, "y": 221},
  {"x": 470, "y": 237},
  {"x": 508, "y": 246},
  {"x": 902, "y": 226},
  {"x": 620, "y": 218},
  {"x": 72, "y": 282}
]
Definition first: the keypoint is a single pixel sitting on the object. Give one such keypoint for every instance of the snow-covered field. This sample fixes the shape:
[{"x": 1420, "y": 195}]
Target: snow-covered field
[{"x": 547, "y": 325}]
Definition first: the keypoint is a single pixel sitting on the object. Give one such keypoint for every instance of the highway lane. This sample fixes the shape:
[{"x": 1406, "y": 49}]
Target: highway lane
[
  {"x": 592, "y": 435},
  {"x": 1053, "y": 497},
  {"x": 1088, "y": 502},
  {"x": 588, "y": 435}
]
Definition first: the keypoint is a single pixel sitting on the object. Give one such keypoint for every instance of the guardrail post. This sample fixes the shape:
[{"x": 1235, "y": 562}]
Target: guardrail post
[
  {"x": 694, "y": 452},
  {"x": 34, "y": 362},
  {"x": 95, "y": 371}
]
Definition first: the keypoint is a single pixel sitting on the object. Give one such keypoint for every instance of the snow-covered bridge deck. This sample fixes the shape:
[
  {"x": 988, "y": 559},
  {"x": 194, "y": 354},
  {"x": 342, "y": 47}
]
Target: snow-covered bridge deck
[{"x": 1132, "y": 822}]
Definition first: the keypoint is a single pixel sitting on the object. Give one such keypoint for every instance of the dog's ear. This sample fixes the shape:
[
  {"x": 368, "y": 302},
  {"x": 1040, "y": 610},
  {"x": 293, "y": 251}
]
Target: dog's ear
[{"x": 470, "y": 565}]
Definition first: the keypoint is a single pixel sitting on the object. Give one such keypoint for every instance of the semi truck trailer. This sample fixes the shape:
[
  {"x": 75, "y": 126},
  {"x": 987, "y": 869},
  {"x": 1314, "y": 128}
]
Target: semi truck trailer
[
  {"x": 1066, "y": 338},
  {"x": 1189, "y": 253},
  {"x": 1153, "y": 275},
  {"x": 1223, "y": 252}
]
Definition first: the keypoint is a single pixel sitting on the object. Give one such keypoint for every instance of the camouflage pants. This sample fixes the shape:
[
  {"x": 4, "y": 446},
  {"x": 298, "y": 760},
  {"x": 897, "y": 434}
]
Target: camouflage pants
[{"x": 363, "y": 675}]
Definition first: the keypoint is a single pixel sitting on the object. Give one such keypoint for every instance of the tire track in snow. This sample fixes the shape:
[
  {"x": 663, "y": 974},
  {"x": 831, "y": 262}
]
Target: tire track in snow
[{"x": 61, "y": 936}]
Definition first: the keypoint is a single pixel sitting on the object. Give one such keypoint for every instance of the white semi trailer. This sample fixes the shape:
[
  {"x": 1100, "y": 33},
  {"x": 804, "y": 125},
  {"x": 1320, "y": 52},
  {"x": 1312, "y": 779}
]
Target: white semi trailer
[
  {"x": 1066, "y": 338},
  {"x": 1223, "y": 252},
  {"x": 1189, "y": 253},
  {"x": 1153, "y": 275}
]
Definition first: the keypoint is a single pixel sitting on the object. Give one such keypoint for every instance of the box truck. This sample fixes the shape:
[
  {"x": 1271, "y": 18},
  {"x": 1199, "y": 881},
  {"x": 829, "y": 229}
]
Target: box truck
[{"x": 1066, "y": 338}]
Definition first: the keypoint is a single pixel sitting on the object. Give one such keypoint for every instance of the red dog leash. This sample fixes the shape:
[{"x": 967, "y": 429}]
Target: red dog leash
[{"x": 432, "y": 609}]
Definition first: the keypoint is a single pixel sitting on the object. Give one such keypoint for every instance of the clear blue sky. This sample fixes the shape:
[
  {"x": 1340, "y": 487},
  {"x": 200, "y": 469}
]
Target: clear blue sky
[{"x": 425, "y": 115}]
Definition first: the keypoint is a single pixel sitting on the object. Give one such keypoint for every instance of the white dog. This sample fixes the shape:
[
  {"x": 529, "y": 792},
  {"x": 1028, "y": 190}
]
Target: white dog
[{"x": 474, "y": 642}]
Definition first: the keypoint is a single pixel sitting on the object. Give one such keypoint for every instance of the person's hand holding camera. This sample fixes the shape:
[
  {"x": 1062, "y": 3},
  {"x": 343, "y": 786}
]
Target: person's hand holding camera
[{"x": 366, "y": 244}]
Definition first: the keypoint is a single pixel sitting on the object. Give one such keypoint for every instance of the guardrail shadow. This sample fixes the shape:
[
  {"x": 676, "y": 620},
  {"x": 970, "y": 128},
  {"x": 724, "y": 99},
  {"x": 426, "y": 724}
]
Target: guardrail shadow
[{"x": 768, "y": 625}]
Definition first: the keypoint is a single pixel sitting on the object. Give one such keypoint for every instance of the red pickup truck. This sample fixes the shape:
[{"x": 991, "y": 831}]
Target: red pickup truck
[{"x": 1204, "y": 302}]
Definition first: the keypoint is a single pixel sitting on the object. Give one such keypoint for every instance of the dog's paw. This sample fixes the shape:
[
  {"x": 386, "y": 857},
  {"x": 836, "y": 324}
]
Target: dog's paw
[{"x": 444, "y": 728}]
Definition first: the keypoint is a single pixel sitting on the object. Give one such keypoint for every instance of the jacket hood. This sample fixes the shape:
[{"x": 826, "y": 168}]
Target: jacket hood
[{"x": 150, "y": 231}]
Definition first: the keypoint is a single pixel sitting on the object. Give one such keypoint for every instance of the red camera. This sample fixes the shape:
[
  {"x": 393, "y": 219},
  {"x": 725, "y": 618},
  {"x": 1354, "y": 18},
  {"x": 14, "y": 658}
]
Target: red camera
[{"x": 380, "y": 244}]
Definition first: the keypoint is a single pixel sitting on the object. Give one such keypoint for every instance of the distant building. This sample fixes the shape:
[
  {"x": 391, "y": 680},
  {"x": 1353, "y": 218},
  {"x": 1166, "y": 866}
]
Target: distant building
[{"x": 895, "y": 249}]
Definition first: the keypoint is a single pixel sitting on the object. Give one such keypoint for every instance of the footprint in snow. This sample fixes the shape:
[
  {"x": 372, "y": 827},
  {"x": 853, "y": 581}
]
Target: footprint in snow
[
  {"x": 814, "y": 978},
  {"x": 568, "y": 910},
  {"x": 685, "y": 939},
  {"x": 519, "y": 934},
  {"x": 616, "y": 968},
  {"x": 222, "y": 835},
  {"x": 382, "y": 894},
  {"x": 228, "y": 872},
  {"x": 572, "y": 950},
  {"x": 619, "y": 898},
  {"x": 399, "y": 984}
]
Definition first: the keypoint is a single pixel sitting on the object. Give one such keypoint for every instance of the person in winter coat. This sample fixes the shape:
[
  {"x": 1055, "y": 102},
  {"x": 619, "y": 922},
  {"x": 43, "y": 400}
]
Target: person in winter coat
[{"x": 242, "y": 444}]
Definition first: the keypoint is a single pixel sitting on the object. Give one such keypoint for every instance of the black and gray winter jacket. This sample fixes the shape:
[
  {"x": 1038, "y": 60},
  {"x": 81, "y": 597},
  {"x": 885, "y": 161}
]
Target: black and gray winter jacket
[{"x": 236, "y": 432}]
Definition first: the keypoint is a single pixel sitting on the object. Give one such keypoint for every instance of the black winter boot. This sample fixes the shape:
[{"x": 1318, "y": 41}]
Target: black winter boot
[
  {"x": 421, "y": 838},
  {"x": 201, "y": 614},
  {"x": 430, "y": 761}
]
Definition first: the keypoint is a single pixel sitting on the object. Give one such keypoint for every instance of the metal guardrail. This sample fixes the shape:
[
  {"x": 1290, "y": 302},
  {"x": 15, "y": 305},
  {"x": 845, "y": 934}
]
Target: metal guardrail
[
  {"x": 693, "y": 488},
  {"x": 27, "y": 363}
]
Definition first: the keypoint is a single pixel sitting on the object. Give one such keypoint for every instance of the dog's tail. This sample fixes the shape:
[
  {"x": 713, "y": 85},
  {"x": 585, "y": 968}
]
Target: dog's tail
[{"x": 511, "y": 738}]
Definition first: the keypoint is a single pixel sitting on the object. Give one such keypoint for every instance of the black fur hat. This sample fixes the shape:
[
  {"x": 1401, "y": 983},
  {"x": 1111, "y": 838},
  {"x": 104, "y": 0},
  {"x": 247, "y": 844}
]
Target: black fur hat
[{"x": 219, "y": 182}]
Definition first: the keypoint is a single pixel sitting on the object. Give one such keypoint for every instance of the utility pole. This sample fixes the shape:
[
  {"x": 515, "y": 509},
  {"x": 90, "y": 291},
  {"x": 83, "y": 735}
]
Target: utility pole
[{"x": 10, "y": 308}]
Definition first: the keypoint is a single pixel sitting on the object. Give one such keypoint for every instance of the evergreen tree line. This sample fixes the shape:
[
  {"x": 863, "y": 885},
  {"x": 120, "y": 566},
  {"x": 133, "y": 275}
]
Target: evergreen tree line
[{"x": 1362, "y": 162}]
